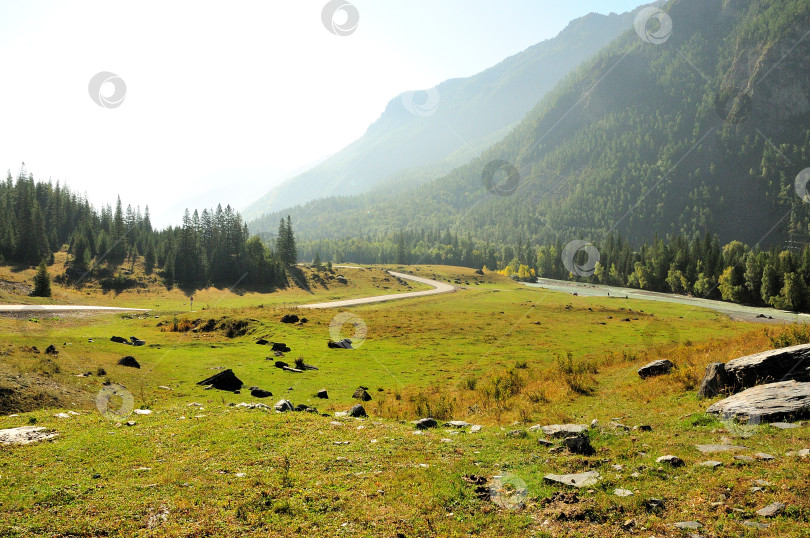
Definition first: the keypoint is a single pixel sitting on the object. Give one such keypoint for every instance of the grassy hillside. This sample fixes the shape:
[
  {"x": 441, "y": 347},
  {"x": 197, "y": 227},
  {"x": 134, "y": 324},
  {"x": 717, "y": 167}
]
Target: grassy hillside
[
  {"x": 493, "y": 353},
  {"x": 150, "y": 291}
]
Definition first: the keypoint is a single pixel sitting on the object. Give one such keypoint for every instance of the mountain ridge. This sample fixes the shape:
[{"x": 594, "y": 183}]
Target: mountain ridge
[{"x": 422, "y": 129}]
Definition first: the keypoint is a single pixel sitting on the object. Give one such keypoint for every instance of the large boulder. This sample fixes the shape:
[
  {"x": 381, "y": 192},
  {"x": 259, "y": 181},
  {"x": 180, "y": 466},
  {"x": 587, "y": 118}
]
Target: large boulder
[
  {"x": 656, "y": 368},
  {"x": 784, "y": 364},
  {"x": 224, "y": 380},
  {"x": 785, "y": 400},
  {"x": 714, "y": 381}
]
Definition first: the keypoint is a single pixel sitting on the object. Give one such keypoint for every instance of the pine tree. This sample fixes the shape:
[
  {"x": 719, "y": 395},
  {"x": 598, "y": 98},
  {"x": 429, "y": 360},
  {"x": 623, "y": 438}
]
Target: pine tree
[{"x": 42, "y": 281}]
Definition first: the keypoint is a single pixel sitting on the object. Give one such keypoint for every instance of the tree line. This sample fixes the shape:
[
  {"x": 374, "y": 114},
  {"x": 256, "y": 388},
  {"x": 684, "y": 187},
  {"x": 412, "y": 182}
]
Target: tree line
[
  {"x": 212, "y": 247},
  {"x": 701, "y": 267}
]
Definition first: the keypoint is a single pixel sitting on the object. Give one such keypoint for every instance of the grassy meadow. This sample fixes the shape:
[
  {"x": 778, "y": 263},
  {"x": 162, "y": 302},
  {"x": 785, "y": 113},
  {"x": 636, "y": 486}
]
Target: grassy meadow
[{"x": 493, "y": 353}]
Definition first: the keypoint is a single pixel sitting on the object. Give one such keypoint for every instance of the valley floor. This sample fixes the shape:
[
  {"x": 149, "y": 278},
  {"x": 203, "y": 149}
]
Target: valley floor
[{"x": 495, "y": 353}]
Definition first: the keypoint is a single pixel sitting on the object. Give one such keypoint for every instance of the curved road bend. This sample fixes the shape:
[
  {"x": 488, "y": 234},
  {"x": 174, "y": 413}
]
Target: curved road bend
[{"x": 438, "y": 287}]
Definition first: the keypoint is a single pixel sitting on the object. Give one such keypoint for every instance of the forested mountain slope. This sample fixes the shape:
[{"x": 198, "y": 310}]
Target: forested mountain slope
[{"x": 704, "y": 131}]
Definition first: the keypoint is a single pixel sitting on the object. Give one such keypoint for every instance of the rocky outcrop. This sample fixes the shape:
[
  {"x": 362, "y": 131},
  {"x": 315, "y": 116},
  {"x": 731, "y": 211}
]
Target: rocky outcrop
[
  {"x": 788, "y": 363},
  {"x": 786, "y": 400}
]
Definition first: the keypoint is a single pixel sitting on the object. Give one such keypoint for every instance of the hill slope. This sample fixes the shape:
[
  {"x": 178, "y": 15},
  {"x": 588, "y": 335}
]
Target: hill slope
[
  {"x": 422, "y": 135},
  {"x": 706, "y": 131}
]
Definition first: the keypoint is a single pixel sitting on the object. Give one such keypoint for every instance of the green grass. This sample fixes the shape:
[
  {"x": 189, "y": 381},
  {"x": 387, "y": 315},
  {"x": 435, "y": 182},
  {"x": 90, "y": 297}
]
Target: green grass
[{"x": 495, "y": 353}]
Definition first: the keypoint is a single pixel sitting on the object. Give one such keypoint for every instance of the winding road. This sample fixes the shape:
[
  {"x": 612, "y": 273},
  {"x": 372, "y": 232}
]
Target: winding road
[
  {"x": 734, "y": 311},
  {"x": 438, "y": 287}
]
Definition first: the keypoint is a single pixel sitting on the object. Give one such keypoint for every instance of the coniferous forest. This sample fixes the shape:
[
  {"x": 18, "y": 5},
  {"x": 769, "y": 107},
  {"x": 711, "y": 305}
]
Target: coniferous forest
[{"x": 210, "y": 247}]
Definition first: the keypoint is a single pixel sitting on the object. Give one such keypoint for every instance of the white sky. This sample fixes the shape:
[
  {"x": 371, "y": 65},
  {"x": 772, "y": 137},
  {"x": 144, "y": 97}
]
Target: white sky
[{"x": 224, "y": 99}]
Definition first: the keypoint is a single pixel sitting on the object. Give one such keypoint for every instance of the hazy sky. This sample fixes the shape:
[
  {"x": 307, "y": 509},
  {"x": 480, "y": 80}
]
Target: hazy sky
[{"x": 224, "y": 99}]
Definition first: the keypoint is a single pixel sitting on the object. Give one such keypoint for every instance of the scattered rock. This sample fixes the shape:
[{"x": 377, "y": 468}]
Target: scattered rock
[
  {"x": 137, "y": 342},
  {"x": 26, "y": 435},
  {"x": 594, "y": 423},
  {"x": 322, "y": 394},
  {"x": 772, "y": 402},
  {"x": 343, "y": 344},
  {"x": 457, "y": 424},
  {"x": 280, "y": 346},
  {"x": 475, "y": 428},
  {"x": 643, "y": 428},
  {"x": 561, "y": 430},
  {"x": 252, "y": 405},
  {"x": 142, "y": 411},
  {"x": 517, "y": 434},
  {"x": 262, "y": 342},
  {"x": 282, "y": 406},
  {"x": 544, "y": 442},
  {"x": 260, "y": 393},
  {"x": 764, "y": 456},
  {"x": 654, "y": 505},
  {"x": 281, "y": 364},
  {"x": 224, "y": 380},
  {"x": 289, "y": 318},
  {"x": 656, "y": 368},
  {"x": 579, "y": 480},
  {"x": 622, "y": 492},
  {"x": 51, "y": 350},
  {"x": 425, "y": 423},
  {"x": 744, "y": 459},
  {"x": 688, "y": 525},
  {"x": 361, "y": 394},
  {"x": 756, "y": 525},
  {"x": 771, "y": 510},
  {"x": 784, "y": 425},
  {"x": 674, "y": 461},
  {"x": 711, "y": 449},
  {"x": 357, "y": 411},
  {"x": 119, "y": 340},
  {"x": 711, "y": 463},
  {"x": 129, "y": 362},
  {"x": 618, "y": 426},
  {"x": 579, "y": 444}
]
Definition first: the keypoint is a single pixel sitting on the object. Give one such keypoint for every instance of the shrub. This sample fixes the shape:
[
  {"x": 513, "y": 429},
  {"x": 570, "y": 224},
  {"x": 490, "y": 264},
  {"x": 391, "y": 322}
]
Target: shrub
[
  {"x": 792, "y": 335},
  {"x": 577, "y": 375}
]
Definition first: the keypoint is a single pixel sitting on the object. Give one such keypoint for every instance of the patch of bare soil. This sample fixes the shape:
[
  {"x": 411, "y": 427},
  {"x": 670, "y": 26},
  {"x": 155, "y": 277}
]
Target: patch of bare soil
[
  {"x": 17, "y": 288},
  {"x": 29, "y": 392}
]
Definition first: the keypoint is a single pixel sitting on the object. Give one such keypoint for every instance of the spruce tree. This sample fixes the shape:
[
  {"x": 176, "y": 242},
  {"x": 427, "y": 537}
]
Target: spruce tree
[{"x": 42, "y": 282}]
